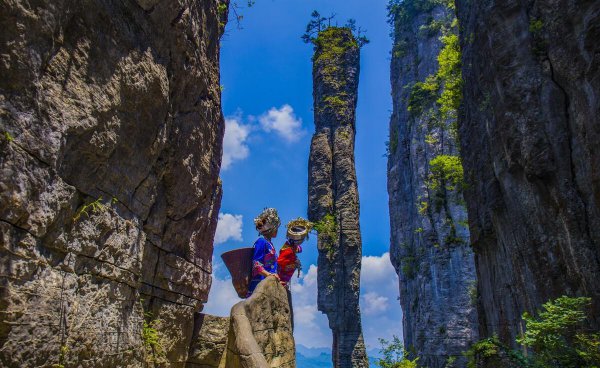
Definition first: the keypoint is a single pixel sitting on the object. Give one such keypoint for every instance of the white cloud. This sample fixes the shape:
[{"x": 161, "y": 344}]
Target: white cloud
[
  {"x": 234, "y": 142},
  {"x": 228, "y": 227},
  {"x": 381, "y": 312},
  {"x": 221, "y": 298},
  {"x": 374, "y": 303},
  {"x": 311, "y": 328},
  {"x": 284, "y": 122},
  {"x": 377, "y": 270}
]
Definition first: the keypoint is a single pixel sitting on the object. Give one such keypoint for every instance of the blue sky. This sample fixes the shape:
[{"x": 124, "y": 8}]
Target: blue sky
[{"x": 267, "y": 101}]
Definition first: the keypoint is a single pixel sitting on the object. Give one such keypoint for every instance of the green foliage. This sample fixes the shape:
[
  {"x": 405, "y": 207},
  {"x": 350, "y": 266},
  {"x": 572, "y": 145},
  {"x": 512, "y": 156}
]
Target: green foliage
[
  {"x": 62, "y": 357},
  {"x": 422, "y": 207},
  {"x": 485, "y": 348},
  {"x": 222, "y": 9},
  {"x": 446, "y": 171},
  {"x": 402, "y": 12},
  {"x": 408, "y": 267},
  {"x": 319, "y": 24},
  {"x": 450, "y": 362},
  {"x": 558, "y": 337},
  {"x": 432, "y": 28},
  {"x": 337, "y": 103},
  {"x": 9, "y": 138},
  {"x": 536, "y": 25},
  {"x": 327, "y": 229},
  {"x": 392, "y": 144},
  {"x": 450, "y": 77},
  {"x": 394, "y": 355},
  {"x": 473, "y": 294},
  {"x": 95, "y": 207},
  {"x": 422, "y": 95},
  {"x": 400, "y": 48},
  {"x": 152, "y": 339},
  {"x": 431, "y": 139}
]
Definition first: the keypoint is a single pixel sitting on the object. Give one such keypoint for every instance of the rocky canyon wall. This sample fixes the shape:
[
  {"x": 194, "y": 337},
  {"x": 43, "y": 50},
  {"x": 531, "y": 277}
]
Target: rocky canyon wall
[
  {"x": 429, "y": 232},
  {"x": 110, "y": 153},
  {"x": 530, "y": 141},
  {"x": 333, "y": 194}
]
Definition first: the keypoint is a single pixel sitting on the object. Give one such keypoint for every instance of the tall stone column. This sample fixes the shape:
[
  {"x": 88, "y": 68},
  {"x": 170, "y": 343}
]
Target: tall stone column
[{"x": 333, "y": 193}]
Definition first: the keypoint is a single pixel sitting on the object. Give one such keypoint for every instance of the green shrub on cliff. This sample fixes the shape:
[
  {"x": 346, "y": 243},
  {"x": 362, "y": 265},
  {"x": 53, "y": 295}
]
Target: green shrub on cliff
[
  {"x": 557, "y": 337},
  {"x": 450, "y": 76},
  {"x": 394, "y": 355},
  {"x": 327, "y": 229},
  {"x": 422, "y": 95},
  {"x": 447, "y": 171}
]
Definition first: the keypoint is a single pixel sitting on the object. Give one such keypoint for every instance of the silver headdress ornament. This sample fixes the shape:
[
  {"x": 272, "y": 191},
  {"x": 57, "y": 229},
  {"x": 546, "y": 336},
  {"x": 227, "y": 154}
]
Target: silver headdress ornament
[
  {"x": 298, "y": 229},
  {"x": 267, "y": 220}
]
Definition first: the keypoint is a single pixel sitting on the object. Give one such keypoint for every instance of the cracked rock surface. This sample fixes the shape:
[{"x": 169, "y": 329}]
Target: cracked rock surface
[
  {"x": 112, "y": 129},
  {"x": 530, "y": 141},
  {"x": 429, "y": 235},
  {"x": 333, "y": 192},
  {"x": 260, "y": 330}
]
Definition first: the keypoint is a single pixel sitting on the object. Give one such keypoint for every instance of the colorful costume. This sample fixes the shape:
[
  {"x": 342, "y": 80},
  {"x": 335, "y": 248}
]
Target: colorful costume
[
  {"x": 288, "y": 262},
  {"x": 263, "y": 259}
]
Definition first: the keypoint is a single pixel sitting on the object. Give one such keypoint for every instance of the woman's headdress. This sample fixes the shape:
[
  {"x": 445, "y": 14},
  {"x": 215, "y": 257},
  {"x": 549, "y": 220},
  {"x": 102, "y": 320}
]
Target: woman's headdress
[
  {"x": 298, "y": 229},
  {"x": 267, "y": 220}
]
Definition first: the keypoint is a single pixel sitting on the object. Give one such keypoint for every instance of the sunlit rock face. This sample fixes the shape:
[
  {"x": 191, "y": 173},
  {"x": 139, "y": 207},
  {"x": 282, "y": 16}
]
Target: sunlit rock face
[
  {"x": 429, "y": 234},
  {"x": 530, "y": 141},
  {"x": 111, "y": 143},
  {"x": 333, "y": 193},
  {"x": 260, "y": 331}
]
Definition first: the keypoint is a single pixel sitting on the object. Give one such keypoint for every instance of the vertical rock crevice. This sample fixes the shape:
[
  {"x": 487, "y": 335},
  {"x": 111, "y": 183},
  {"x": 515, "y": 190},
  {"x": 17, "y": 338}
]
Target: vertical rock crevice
[
  {"x": 332, "y": 191},
  {"x": 429, "y": 232}
]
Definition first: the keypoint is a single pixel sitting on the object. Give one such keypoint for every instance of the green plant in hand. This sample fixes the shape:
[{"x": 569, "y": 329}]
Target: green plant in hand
[{"x": 394, "y": 355}]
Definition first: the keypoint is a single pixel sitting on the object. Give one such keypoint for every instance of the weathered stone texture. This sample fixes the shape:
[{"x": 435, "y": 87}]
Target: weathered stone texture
[
  {"x": 260, "y": 331},
  {"x": 103, "y": 100},
  {"x": 429, "y": 236},
  {"x": 530, "y": 140},
  {"x": 333, "y": 191},
  {"x": 209, "y": 341}
]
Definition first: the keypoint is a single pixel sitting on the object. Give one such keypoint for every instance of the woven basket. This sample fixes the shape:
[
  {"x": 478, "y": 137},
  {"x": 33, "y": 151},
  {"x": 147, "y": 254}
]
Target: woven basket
[{"x": 239, "y": 264}]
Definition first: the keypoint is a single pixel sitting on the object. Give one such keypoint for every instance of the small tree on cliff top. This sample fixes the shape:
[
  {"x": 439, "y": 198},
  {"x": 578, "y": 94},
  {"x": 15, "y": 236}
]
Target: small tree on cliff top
[{"x": 319, "y": 23}]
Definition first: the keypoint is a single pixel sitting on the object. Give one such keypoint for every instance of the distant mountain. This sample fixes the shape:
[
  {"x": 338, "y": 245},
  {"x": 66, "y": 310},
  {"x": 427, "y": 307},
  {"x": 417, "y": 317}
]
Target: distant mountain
[{"x": 321, "y": 357}]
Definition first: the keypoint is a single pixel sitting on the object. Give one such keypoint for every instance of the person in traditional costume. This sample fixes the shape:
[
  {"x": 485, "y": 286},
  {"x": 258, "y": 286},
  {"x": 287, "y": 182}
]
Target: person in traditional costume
[
  {"x": 288, "y": 262},
  {"x": 264, "y": 258}
]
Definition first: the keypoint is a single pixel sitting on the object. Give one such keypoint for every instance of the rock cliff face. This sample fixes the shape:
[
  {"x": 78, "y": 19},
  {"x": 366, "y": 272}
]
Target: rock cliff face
[
  {"x": 429, "y": 235},
  {"x": 260, "y": 333},
  {"x": 111, "y": 143},
  {"x": 530, "y": 141},
  {"x": 333, "y": 194}
]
